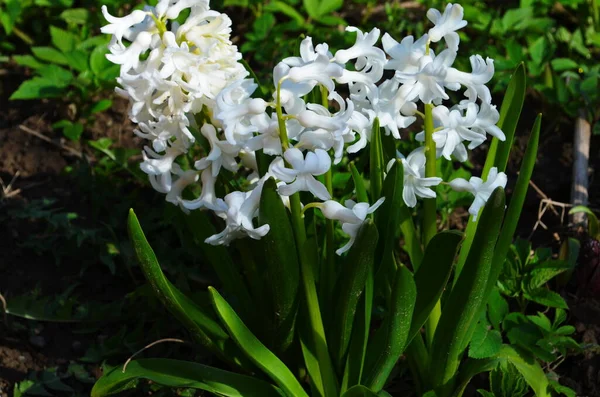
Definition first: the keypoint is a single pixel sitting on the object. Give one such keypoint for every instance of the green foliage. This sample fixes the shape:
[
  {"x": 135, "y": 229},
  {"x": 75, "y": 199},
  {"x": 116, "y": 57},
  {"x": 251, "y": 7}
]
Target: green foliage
[{"x": 525, "y": 275}]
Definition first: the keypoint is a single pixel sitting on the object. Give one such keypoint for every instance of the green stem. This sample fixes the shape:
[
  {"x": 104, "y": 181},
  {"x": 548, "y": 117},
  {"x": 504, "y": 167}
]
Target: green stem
[
  {"x": 430, "y": 212},
  {"x": 308, "y": 277}
]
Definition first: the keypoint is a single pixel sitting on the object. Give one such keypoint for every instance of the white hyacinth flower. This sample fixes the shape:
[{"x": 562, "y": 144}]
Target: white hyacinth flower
[
  {"x": 481, "y": 190},
  {"x": 406, "y": 55},
  {"x": 428, "y": 83},
  {"x": 370, "y": 60},
  {"x": 314, "y": 66},
  {"x": 388, "y": 102},
  {"x": 324, "y": 130},
  {"x": 242, "y": 207},
  {"x": 208, "y": 199},
  {"x": 454, "y": 128},
  {"x": 482, "y": 73},
  {"x": 446, "y": 25},
  {"x": 415, "y": 182},
  {"x": 222, "y": 153},
  {"x": 119, "y": 27},
  {"x": 352, "y": 216},
  {"x": 301, "y": 177}
]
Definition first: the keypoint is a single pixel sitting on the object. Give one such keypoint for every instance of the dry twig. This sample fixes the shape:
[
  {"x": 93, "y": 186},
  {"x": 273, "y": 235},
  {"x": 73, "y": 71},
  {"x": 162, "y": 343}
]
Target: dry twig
[
  {"x": 37, "y": 134},
  {"x": 7, "y": 190},
  {"x": 149, "y": 346}
]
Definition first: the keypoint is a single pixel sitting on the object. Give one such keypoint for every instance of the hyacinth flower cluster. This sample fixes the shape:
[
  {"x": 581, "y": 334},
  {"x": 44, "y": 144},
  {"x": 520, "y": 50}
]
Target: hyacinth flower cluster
[{"x": 186, "y": 84}]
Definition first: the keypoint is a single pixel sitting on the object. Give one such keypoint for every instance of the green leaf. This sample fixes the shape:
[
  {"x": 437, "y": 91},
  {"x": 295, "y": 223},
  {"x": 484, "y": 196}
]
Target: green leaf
[
  {"x": 359, "y": 391},
  {"x": 545, "y": 272},
  {"x": 359, "y": 263},
  {"x": 485, "y": 342},
  {"x": 507, "y": 381},
  {"x": 78, "y": 60},
  {"x": 60, "y": 76},
  {"x": 359, "y": 184},
  {"x": 546, "y": 297},
  {"x": 376, "y": 162},
  {"x": 255, "y": 350},
  {"x": 516, "y": 205},
  {"x": 284, "y": 8},
  {"x": 176, "y": 373},
  {"x": 36, "y": 88},
  {"x": 98, "y": 61},
  {"x": 529, "y": 368},
  {"x": 63, "y": 40},
  {"x": 510, "y": 112},
  {"x": 433, "y": 275},
  {"x": 384, "y": 354},
  {"x": 319, "y": 8},
  {"x": 50, "y": 54},
  {"x": 101, "y": 106},
  {"x": 220, "y": 260},
  {"x": 77, "y": 16},
  {"x": 28, "y": 61},
  {"x": 360, "y": 336},
  {"x": 281, "y": 266},
  {"x": 464, "y": 304},
  {"x": 470, "y": 368},
  {"x": 73, "y": 131},
  {"x": 539, "y": 50},
  {"x": 204, "y": 329},
  {"x": 388, "y": 216},
  {"x": 497, "y": 308},
  {"x": 562, "y": 64}
]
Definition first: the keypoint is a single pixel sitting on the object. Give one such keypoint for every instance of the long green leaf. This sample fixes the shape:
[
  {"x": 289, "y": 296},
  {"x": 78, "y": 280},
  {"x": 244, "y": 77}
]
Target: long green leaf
[
  {"x": 204, "y": 329},
  {"x": 255, "y": 350},
  {"x": 281, "y": 266},
  {"x": 176, "y": 373},
  {"x": 387, "y": 217},
  {"x": 510, "y": 112},
  {"x": 376, "y": 164},
  {"x": 497, "y": 156},
  {"x": 516, "y": 205},
  {"x": 359, "y": 262},
  {"x": 360, "y": 337},
  {"x": 397, "y": 326},
  {"x": 309, "y": 351},
  {"x": 221, "y": 262},
  {"x": 359, "y": 184},
  {"x": 463, "y": 304},
  {"x": 433, "y": 275},
  {"x": 359, "y": 391}
]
